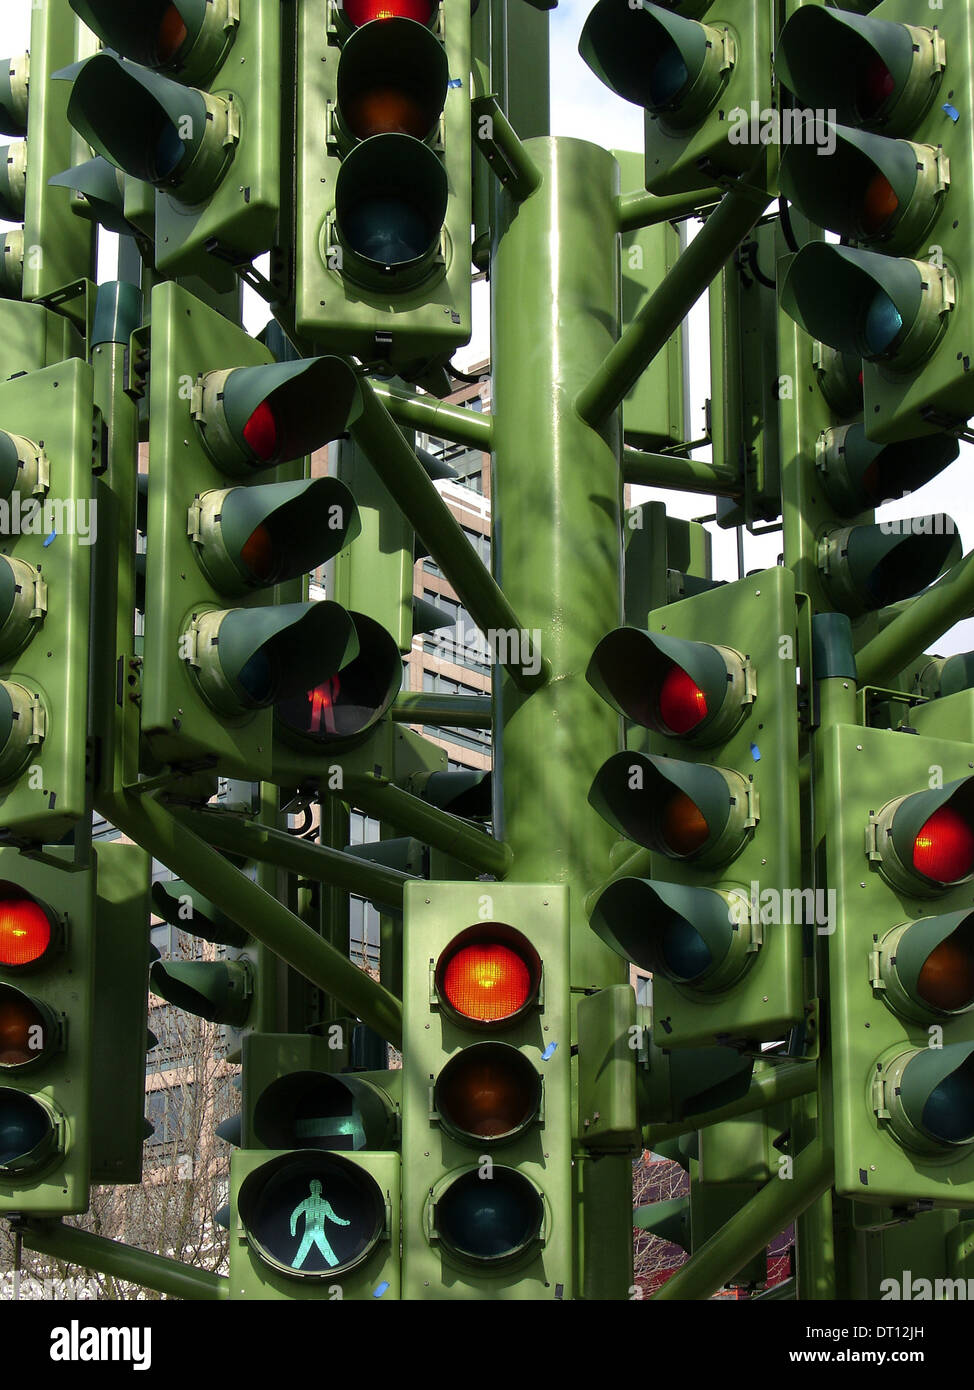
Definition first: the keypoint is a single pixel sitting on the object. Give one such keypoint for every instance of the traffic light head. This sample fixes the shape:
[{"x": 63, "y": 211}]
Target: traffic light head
[
  {"x": 676, "y": 688},
  {"x": 885, "y": 310},
  {"x": 699, "y": 938},
  {"x": 260, "y": 417},
  {"x": 189, "y": 38},
  {"x": 860, "y": 474},
  {"x": 864, "y": 568},
  {"x": 391, "y": 197},
  {"x": 175, "y": 137}
]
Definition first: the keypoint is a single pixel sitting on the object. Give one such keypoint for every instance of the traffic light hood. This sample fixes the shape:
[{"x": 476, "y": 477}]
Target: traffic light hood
[
  {"x": 175, "y": 137},
  {"x": 871, "y": 72},
  {"x": 883, "y": 309},
  {"x": 189, "y": 37}
]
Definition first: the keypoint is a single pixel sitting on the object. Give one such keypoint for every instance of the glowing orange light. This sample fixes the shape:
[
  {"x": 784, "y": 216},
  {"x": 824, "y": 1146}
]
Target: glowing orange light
[
  {"x": 25, "y": 932},
  {"x": 685, "y": 828},
  {"x": 487, "y": 982}
]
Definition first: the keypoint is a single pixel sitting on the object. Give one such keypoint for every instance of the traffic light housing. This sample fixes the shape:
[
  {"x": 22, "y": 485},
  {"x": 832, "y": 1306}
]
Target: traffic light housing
[
  {"x": 305, "y": 1125},
  {"x": 227, "y": 635},
  {"x": 48, "y": 448},
  {"x": 899, "y": 847},
  {"x": 188, "y": 100},
  {"x": 697, "y": 75},
  {"x": 486, "y": 1091},
  {"x": 898, "y": 176},
  {"x": 382, "y": 208},
  {"x": 47, "y": 914},
  {"x": 716, "y": 804}
]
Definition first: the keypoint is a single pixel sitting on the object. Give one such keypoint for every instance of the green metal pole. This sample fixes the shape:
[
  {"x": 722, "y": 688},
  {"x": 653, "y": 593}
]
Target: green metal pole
[
  {"x": 453, "y": 711},
  {"x": 782, "y": 1083},
  {"x": 155, "y": 828},
  {"x": 670, "y": 302},
  {"x": 687, "y": 475},
  {"x": 123, "y": 1261},
  {"x": 504, "y": 151},
  {"x": 430, "y": 416},
  {"x": 927, "y": 618},
  {"x": 752, "y": 1228},
  {"x": 320, "y": 862},
  {"x": 558, "y": 552},
  {"x": 442, "y": 534},
  {"x": 443, "y": 831},
  {"x": 641, "y": 209}
]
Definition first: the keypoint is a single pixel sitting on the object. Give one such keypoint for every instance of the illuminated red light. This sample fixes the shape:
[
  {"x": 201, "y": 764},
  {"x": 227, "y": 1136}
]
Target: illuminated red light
[
  {"x": 944, "y": 847},
  {"x": 487, "y": 982},
  {"x": 361, "y": 12},
  {"x": 260, "y": 432},
  {"x": 682, "y": 704},
  {"x": 25, "y": 932},
  {"x": 172, "y": 35},
  {"x": 322, "y": 700}
]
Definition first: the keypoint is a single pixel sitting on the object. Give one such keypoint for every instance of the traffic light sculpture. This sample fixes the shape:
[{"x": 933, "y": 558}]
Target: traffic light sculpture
[
  {"x": 188, "y": 100},
  {"x": 718, "y": 920},
  {"x": 486, "y": 1091},
  {"x": 899, "y": 845},
  {"x": 382, "y": 208},
  {"x": 46, "y": 1020},
  {"x": 227, "y": 636},
  {"x": 895, "y": 180}
]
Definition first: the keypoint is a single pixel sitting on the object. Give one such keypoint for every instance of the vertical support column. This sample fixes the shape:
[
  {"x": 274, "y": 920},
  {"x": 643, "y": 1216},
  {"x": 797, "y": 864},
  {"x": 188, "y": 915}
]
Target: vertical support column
[{"x": 558, "y": 555}]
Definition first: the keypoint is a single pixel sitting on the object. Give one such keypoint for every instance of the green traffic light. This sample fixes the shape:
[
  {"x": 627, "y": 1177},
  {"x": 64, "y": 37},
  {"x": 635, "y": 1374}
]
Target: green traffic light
[
  {"x": 886, "y": 310},
  {"x": 188, "y": 37},
  {"x": 879, "y": 192},
  {"x": 871, "y": 72},
  {"x": 700, "y": 938},
  {"x": 687, "y": 811},
  {"x": 865, "y": 568},
  {"x": 251, "y": 418},
  {"x": 175, "y": 137},
  {"x": 312, "y": 1215},
  {"x": 312, "y": 1110},
  {"x": 253, "y": 537}
]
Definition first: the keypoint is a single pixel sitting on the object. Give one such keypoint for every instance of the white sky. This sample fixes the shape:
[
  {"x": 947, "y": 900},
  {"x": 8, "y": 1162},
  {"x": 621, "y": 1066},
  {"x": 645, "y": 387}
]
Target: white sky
[{"x": 583, "y": 108}]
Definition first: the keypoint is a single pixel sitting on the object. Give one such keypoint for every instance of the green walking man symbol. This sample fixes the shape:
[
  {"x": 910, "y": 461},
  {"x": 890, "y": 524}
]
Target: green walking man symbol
[{"x": 316, "y": 1210}]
